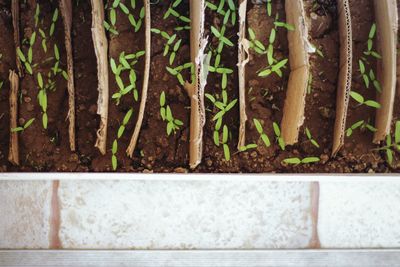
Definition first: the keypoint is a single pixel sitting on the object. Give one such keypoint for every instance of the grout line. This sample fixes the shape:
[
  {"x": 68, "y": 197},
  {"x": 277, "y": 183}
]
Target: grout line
[
  {"x": 314, "y": 242},
  {"x": 54, "y": 220}
]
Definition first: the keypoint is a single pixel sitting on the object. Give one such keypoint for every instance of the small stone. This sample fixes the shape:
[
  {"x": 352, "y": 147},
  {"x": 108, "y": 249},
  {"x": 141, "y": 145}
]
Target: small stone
[
  {"x": 180, "y": 170},
  {"x": 21, "y": 121},
  {"x": 30, "y": 107},
  {"x": 93, "y": 109},
  {"x": 27, "y": 99},
  {"x": 324, "y": 158},
  {"x": 253, "y": 154}
]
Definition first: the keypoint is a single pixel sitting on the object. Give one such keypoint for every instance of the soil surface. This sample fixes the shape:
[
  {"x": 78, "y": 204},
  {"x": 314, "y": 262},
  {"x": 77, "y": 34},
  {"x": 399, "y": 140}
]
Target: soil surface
[{"x": 157, "y": 151}]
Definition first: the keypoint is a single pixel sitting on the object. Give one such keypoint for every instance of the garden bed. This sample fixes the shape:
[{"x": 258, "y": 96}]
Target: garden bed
[{"x": 246, "y": 127}]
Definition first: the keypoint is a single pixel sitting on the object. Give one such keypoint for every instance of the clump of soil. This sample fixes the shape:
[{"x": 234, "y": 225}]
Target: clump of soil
[{"x": 156, "y": 151}]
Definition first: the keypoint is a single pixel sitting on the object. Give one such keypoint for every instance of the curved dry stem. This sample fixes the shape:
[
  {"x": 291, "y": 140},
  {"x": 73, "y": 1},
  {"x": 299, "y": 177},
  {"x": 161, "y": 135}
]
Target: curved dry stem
[
  {"x": 17, "y": 42},
  {"x": 66, "y": 13},
  {"x": 387, "y": 28},
  {"x": 146, "y": 76},
  {"x": 243, "y": 59},
  {"x": 101, "y": 46},
  {"x": 13, "y": 154},
  {"x": 299, "y": 47}
]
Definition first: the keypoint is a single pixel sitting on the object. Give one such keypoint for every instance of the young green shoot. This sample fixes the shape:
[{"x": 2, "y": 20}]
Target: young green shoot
[
  {"x": 310, "y": 138},
  {"x": 23, "y": 127},
  {"x": 263, "y": 135},
  {"x": 362, "y": 101},
  {"x": 166, "y": 115},
  {"x": 121, "y": 130},
  {"x": 360, "y": 125},
  {"x": 278, "y": 136},
  {"x": 296, "y": 161}
]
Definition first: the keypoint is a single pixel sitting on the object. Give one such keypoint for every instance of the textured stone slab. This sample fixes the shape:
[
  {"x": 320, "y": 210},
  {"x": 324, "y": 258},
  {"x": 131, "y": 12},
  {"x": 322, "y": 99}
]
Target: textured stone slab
[
  {"x": 178, "y": 215},
  {"x": 25, "y": 212},
  {"x": 359, "y": 215}
]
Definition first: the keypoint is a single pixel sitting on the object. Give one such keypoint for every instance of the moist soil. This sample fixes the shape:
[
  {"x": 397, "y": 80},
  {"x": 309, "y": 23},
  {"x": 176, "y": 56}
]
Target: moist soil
[{"x": 48, "y": 150}]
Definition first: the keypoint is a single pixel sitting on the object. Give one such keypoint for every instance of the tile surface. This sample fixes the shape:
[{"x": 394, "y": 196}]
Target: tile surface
[
  {"x": 24, "y": 214},
  {"x": 168, "y": 214},
  {"x": 359, "y": 215}
]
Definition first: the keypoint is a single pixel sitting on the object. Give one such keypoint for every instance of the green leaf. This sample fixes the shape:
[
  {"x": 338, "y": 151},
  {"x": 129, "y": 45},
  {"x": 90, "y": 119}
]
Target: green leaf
[
  {"x": 113, "y": 17},
  {"x": 397, "y": 133},
  {"x": 277, "y": 130},
  {"x": 372, "y": 31},
  {"x": 294, "y": 161},
  {"x": 216, "y": 138},
  {"x": 258, "y": 126},
  {"x": 17, "y": 129},
  {"x": 44, "y": 120},
  {"x": 227, "y": 153},
  {"x": 225, "y": 134},
  {"x": 162, "y": 99},
  {"x": 113, "y": 66},
  {"x": 357, "y": 97},
  {"x": 121, "y": 131},
  {"x": 362, "y": 66},
  {"x": 40, "y": 80},
  {"x": 114, "y": 148},
  {"x": 215, "y": 32},
  {"x": 114, "y": 162},
  {"x": 29, "y": 123},
  {"x": 21, "y": 55},
  {"x": 127, "y": 117},
  {"x": 372, "y": 103},
  {"x": 310, "y": 160},
  {"x": 266, "y": 140},
  {"x": 170, "y": 127}
]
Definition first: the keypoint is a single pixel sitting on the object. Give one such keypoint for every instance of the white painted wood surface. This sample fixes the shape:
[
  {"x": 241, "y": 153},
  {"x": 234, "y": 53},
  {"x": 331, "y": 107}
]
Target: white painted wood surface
[{"x": 261, "y": 258}]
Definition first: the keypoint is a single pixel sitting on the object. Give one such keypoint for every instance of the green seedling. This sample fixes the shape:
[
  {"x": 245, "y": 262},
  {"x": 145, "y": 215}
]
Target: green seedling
[
  {"x": 42, "y": 98},
  {"x": 296, "y": 161},
  {"x": 263, "y": 135},
  {"x": 247, "y": 147},
  {"x": 166, "y": 115},
  {"x": 278, "y": 136},
  {"x": 24, "y": 127},
  {"x": 369, "y": 75},
  {"x": 223, "y": 108},
  {"x": 360, "y": 125},
  {"x": 121, "y": 130},
  {"x": 111, "y": 24},
  {"x": 269, "y": 7},
  {"x": 225, "y": 135},
  {"x": 390, "y": 145},
  {"x": 361, "y": 100},
  {"x": 126, "y": 63},
  {"x": 221, "y": 10},
  {"x": 310, "y": 138},
  {"x": 173, "y": 12}
]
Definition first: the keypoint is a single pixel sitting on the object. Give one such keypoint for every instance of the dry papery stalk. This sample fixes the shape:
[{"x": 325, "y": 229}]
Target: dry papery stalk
[
  {"x": 17, "y": 42},
  {"x": 195, "y": 89},
  {"x": 345, "y": 72},
  {"x": 13, "y": 154},
  {"x": 101, "y": 47},
  {"x": 146, "y": 76},
  {"x": 66, "y": 13},
  {"x": 299, "y": 48},
  {"x": 243, "y": 59},
  {"x": 387, "y": 28}
]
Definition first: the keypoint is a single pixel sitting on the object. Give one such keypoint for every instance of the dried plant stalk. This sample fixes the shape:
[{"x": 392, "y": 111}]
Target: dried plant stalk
[
  {"x": 387, "y": 28},
  {"x": 299, "y": 48},
  {"x": 345, "y": 72},
  {"x": 146, "y": 76},
  {"x": 101, "y": 47},
  {"x": 17, "y": 41},
  {"x": 195, "y": 89},
  {"x": 243, "y": 59},
  {"x": 13, "y": 154},
  {"x": 66, "y": 13}
]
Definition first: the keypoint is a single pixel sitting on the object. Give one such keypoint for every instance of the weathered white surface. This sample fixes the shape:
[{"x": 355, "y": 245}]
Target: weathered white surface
[
  {"x": 176, "y": 214},
  {"x": 359, "y": 215},
  {"x": 24, "y": 214}
]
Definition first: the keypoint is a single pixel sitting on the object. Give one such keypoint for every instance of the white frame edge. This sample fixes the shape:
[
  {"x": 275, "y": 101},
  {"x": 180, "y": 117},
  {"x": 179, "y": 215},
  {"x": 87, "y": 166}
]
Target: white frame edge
[{"x": 200, "y": 258}]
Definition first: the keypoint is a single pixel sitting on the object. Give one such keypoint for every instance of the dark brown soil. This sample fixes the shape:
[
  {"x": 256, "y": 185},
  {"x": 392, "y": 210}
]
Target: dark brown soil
[{"x": 48, "y": 150}]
